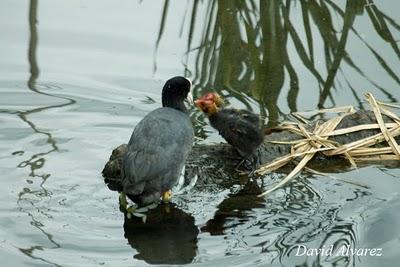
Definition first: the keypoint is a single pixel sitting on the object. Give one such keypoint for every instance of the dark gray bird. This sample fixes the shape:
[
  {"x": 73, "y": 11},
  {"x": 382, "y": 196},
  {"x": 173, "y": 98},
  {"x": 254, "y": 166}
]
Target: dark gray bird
[
  {"x": 159, "y": 147},
  {"x": 239, "y": 127}
]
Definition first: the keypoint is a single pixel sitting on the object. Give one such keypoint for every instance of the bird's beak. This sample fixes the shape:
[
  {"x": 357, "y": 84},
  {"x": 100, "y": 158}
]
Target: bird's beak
[
  {"x": 189, "y": 98},
  {"x": 199, "y": 103}
]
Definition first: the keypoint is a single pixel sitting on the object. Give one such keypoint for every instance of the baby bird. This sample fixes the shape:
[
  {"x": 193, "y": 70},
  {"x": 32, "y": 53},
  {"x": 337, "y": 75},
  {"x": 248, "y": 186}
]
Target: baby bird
[{"x": 240, "y": 128}]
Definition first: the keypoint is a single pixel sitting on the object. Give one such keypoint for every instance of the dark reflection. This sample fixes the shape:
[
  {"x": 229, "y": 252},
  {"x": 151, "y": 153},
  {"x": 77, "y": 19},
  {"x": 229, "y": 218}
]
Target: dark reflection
[
  {"x": 169, "y": 236},
  {"x": 302, "y": 217},
  {"x": 30, "y": 250},
  {"x": 37, "y": 161},
  {"x": 243, "y": 48},
  {"x": 299, "y": 216},
  {"x": 353, "y": 7},
  {"x": 33, "y": 40},
  {"x": 235, "y": 206}
]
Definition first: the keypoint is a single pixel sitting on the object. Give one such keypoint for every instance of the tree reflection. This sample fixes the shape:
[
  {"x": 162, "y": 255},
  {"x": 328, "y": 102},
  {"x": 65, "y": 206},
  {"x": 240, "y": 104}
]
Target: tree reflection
[
  {"x": 37, "y": 160},
  {"x": 243, "y": 51}
]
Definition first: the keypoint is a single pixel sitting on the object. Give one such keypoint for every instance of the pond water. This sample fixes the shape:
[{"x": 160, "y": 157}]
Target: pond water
[{"x": 77, "y": 76}]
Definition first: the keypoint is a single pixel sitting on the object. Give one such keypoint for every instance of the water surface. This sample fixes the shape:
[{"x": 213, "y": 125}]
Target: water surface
[{"x": 77, "y": 76}]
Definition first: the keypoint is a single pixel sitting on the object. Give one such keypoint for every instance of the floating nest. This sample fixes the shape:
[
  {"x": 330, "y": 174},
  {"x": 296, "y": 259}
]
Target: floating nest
[
  {"x": 319, "y": 140},
  {"x": 345, "y": 140}
]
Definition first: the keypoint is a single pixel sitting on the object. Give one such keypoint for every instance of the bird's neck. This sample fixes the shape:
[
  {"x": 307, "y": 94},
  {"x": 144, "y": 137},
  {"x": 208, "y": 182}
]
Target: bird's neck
[
  {"x": 213, "y": 111},
  {"x": 174, "y": 103},
  {"x": 213, "y": 117}
]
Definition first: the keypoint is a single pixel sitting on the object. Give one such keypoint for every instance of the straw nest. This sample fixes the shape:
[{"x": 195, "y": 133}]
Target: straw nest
[{"x": 378, "y": 147}]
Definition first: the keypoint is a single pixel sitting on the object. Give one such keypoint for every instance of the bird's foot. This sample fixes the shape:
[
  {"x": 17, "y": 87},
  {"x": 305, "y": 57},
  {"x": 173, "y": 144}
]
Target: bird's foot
[
  {"x": 166, "y": 197},
  {"x": 123, "y": 203},
  {"x": 246, "y": 163},
  {"x": 134, "y": 210},
  {"x": 141, "y": 212},
  {"x": 237, "y": 167}
]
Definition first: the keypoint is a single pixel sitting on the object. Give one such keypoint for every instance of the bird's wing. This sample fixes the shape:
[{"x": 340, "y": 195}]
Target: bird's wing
[
  {"x": 157, "y": 145},
  {"x": 239, "y": 133},
  {"x": 249, "y": 116}
]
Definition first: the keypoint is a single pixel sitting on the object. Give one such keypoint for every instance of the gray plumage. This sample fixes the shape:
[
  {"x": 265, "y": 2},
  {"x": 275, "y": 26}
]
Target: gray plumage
[{"x": 156, "y": 154}]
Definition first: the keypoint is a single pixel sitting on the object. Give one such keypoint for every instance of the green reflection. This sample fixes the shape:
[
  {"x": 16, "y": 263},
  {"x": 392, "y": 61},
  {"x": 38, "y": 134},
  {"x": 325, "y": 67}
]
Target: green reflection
[{"x": 247, "y": 49}]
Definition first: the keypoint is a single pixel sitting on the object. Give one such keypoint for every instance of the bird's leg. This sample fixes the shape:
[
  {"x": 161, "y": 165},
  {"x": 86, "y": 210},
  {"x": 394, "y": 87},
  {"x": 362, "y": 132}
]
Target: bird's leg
[
  {"x": 167, "y": 209},
  {"x": 243, "y": 160},
  {"x": 240, "y": 164},
  {"x": 167, "y": 195},
  {"x": 255, "y": 163},
  {"x": 250, "y": 163},
  {"x": 122, "y": 201}
]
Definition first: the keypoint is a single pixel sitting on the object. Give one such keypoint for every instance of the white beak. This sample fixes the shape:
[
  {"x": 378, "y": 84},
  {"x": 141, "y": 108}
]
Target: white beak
[{"x": 189, "y": 97}]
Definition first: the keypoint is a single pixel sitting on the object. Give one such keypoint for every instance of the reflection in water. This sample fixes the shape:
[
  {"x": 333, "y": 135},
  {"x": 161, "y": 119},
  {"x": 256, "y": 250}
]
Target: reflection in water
[
  {"x": 299, "y": 217},
  {"x": 169, "y": 236},
  {"x": 243, "y": 54},
  {"x": 37, "y": 161},
  {"x": 353, "y": 7},
  {"x": 243, "y": 51},
  {"x": 30, "y": 251},
  {"x": 235, "y": 206},
  {"x": 33, "y": 40}
]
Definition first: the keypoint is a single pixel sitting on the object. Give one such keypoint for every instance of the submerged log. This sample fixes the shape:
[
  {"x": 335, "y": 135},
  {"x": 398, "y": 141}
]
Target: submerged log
[{"x": 215, "y": 164}]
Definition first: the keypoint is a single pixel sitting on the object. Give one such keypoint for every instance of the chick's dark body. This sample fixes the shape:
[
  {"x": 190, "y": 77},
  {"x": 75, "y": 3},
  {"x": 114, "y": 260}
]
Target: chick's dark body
[{"x": 240, "y": 128}]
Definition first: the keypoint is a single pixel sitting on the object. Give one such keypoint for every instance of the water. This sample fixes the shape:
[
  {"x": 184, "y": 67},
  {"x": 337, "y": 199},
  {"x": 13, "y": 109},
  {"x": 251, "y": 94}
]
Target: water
[{"x": 74, "y": 84}]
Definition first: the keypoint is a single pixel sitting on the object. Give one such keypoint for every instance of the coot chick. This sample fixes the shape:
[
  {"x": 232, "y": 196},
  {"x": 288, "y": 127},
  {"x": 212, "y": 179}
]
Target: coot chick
[
  {"x": 158, "y": 148},
  {"x": 239, "y": 127}
]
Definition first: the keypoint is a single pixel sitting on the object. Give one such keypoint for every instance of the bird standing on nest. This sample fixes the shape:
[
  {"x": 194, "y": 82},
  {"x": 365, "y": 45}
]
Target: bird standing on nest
[
  {"x": 240, "y": 128},
  {"x": 158, "y": 148}
]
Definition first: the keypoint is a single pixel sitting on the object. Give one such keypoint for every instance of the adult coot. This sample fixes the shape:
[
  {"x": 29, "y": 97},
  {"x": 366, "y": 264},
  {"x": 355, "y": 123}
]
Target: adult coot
[
  {"x": 159, "y": 147},
  {"x": 239, "y": 127}
]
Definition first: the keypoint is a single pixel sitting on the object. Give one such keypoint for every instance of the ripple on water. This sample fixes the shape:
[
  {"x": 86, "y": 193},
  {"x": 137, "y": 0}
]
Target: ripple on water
[{"x": 60, "y": 123}]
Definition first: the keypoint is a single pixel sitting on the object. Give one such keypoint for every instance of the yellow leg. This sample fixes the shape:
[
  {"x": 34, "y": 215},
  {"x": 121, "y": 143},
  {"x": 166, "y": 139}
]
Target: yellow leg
[
  {"x": 167, "y": 195},
  {"x": 167, "y": 209}
]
